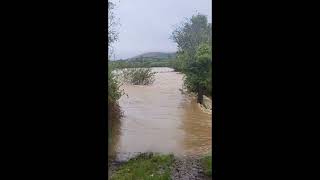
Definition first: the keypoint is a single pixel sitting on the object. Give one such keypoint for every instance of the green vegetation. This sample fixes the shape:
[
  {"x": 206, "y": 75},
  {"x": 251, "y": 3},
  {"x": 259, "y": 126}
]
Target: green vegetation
[
  {"x": 114, "y": 92},
  {"x": 198, "y": 76},
  {"x": 156, "y": 55},
  {"x": 145, "y": 167},
  {"x": 150, "y": 166},
  {"x": 206, "y": 162},
  {"x": 112, "y": 23},
  {"x": 194, "y": 57},
  {"x": 151, "y": 59},
  {"x": 113, "y": 85},
  {"x": 142, "y": 62},
  {"x": 138, "y": 76}
]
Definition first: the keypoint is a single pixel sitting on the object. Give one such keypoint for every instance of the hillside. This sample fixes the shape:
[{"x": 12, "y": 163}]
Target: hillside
[{"x": 155, "y": 55}]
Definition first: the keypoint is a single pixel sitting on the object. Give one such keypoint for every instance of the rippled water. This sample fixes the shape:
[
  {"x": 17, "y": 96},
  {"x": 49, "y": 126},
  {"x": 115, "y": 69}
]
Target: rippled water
[{"x": 159, "y": 118}]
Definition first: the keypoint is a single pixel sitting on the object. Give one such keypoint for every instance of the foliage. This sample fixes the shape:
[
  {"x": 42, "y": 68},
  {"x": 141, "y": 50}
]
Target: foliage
[
  {"x": 138, "y": 76},
  {"x": 190, "y": 34},
  {"x": 114, "y": 92},
  {"x": 112, "y": 23},
  {"x": 145, "y": 167},
  {"x": 113, "y": 86},
  {"x": 206, "y": 162},
  {"x": 194, "y": 57},
  {"x": 198, "y": 74}
]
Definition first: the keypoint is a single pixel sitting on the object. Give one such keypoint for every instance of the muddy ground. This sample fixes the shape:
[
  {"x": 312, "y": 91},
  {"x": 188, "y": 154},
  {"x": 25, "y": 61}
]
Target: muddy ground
[{"x": 188, "y": 168}]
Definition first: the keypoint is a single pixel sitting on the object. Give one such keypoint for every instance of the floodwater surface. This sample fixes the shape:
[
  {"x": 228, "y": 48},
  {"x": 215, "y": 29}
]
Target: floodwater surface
[{"x": 160, "y": 118}]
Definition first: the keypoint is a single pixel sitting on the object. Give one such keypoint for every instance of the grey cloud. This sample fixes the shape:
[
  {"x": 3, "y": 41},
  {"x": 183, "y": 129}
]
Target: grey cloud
[{"x": 146, "y": 25}]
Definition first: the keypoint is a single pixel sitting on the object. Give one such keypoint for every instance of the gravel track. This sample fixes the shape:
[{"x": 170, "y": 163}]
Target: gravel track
[{"x": 188, "y": 168}]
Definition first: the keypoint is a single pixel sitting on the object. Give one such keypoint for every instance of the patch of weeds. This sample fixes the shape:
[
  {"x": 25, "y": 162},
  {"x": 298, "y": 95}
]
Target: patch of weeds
[{"x": 206, "y": 162}]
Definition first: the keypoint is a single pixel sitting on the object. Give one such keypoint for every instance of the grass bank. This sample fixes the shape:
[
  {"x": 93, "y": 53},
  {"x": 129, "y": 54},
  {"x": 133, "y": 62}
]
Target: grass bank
[
  {"x": 145, "y": 167},
  {"x": 150, "y": 166},
  {"x": 206, "y": 163}
]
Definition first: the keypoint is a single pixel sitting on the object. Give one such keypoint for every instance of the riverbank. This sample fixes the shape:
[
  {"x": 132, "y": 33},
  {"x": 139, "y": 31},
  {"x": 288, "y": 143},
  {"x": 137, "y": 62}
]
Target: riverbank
[
  {"x": 165, "y": 167},
  {"x": 206, "y": 105}
]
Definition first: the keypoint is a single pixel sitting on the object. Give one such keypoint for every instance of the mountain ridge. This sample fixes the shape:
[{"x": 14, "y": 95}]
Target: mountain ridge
[{"x": 155, "y": 55}]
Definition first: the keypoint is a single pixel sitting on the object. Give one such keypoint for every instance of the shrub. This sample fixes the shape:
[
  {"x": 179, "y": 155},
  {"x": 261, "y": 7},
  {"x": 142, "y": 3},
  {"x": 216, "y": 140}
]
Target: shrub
[
  {"x": 138, "y": 76},
  {"x": 114, "y": 93}
]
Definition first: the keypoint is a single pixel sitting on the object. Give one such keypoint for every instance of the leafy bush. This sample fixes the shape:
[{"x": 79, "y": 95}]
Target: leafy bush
[
  {"x": 138, "y": 76},
  {"x": 194, "y": 57},
  {"x": 198, "y": 78},
  {"x": 114, "y": 93}
]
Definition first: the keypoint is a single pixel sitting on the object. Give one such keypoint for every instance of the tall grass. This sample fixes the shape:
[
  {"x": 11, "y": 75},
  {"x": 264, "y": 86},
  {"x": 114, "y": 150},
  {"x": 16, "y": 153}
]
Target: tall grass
[
  {"x": 206, "y": 162},
  {"x": 145, "y": 167}
]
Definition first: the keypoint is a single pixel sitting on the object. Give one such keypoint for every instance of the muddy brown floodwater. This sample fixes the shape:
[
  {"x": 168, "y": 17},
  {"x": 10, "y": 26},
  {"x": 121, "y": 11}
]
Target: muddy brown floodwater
[{"x": 159, "y": 118}]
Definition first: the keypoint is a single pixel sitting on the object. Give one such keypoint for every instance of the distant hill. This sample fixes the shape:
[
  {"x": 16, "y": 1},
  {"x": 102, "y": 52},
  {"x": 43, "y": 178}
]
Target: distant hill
[
  {"x": 155, "y": 55},
  {"x": 150, "y": 59}
]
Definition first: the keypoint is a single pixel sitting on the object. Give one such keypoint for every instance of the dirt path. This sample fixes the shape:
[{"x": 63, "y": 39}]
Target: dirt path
[
  {"x": 188, "y": 168},
  {"x": 113, "y": 166}
]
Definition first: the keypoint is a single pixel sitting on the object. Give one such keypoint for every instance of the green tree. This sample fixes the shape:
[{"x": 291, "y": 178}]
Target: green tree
[
  {"x": 193, "y": 39},
  {"x": 197, "y": 75},
  {"x": 113, "y": 86},
  {"x": 112, "y": 23}
]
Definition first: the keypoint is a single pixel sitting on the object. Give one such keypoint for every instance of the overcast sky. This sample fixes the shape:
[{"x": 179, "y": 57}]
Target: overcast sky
[{"x": 146, "y": 25}]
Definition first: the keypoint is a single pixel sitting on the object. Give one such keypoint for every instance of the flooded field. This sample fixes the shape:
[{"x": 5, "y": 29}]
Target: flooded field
[{"x": 160, "y": 118}]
